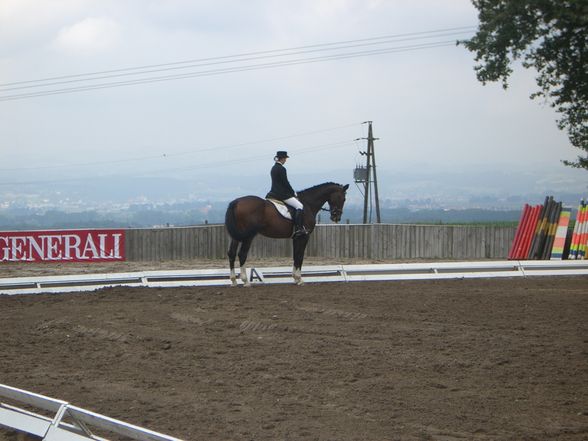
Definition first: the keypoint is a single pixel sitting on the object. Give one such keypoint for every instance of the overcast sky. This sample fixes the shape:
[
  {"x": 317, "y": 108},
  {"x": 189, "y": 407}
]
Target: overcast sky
[{"x": 427, "y": 107}]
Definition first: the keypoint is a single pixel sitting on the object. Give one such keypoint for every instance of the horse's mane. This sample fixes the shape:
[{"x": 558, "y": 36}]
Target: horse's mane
[{"x": 316, "y": 187}]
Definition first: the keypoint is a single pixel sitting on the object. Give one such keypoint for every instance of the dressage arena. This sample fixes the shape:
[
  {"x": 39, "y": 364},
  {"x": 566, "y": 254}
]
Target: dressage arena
[{"x": 483, "y": 359}]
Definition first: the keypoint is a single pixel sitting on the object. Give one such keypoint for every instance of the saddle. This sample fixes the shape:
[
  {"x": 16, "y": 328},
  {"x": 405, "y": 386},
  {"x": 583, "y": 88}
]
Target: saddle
[{"x": 284, "y": 209}]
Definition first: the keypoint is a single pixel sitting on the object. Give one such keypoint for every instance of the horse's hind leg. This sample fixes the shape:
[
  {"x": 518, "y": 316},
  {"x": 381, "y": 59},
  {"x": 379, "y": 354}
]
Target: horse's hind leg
[
  {"x": 243, "y": 252},
  {"x": 232, "y": 253}
]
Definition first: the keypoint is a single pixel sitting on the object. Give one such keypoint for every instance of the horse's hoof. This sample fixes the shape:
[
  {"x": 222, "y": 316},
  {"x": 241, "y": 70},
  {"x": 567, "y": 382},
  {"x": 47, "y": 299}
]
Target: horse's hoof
[{"x": 299, "y": 283}]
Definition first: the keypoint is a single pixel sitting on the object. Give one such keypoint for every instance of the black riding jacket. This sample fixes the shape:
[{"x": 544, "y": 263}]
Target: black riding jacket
[{"x": 281, "y": 188}]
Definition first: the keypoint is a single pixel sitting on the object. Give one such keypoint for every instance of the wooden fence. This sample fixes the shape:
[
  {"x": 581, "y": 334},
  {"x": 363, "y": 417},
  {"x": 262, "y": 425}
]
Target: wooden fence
[{"x": 343, "y": 241}]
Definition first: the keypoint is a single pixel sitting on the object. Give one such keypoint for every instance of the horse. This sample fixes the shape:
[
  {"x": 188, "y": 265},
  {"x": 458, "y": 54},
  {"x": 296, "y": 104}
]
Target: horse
[{"x": 248, "y": 216}]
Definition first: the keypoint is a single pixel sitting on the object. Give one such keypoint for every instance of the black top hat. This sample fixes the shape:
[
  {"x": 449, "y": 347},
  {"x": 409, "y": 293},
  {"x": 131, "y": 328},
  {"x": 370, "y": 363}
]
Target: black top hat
[{"x": 282, "y": 154}]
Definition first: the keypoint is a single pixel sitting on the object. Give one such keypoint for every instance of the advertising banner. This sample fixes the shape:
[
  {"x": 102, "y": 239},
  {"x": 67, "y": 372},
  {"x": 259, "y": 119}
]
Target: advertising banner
[{"x": 62, "y": 246}]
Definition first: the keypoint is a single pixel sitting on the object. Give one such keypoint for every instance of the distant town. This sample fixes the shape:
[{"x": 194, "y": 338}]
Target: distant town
[{"x": 434, "y": 197}]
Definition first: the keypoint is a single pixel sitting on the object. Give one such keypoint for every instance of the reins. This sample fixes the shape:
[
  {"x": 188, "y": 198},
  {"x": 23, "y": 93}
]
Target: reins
[{"x": 334, "y": 211}]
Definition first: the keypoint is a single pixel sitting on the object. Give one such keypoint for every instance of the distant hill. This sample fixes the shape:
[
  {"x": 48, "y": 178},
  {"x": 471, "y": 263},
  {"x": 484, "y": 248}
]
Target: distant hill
[
  {"x": 197, "y": 214},
  {"x": 409, "y": 194}
]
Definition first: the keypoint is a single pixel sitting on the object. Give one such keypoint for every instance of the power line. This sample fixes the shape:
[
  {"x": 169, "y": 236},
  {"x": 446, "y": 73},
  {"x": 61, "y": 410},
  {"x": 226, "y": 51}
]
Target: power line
[
  {"x": 183, "y": 153},
  {"x": 241, "y": 57},
  {"x": 218, "y": 71},
  {"x": 249, "y": 158},
  {"x": 207, "y": 165},
  {"x": 226, "y": 70},
  {"x": 104, "y": 77}
]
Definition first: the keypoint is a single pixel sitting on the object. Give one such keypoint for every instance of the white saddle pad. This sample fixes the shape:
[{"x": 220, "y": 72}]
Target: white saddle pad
[{"x": 281, "y": 207}]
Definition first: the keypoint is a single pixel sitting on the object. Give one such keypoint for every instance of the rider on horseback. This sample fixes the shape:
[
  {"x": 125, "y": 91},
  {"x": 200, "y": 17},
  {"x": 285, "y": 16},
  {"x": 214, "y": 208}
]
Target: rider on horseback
[{"x": 282, "y": 190}]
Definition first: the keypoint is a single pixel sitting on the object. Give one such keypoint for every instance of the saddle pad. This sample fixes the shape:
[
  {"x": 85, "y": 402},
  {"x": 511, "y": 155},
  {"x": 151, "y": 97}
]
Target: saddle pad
[{"x": 281, "y": 207}]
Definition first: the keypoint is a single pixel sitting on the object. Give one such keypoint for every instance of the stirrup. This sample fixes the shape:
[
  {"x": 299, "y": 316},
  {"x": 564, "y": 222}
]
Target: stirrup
[{"x": 301, "y": 232}]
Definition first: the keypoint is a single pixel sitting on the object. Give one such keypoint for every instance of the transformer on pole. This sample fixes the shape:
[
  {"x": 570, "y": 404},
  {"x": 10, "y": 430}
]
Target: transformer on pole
[{"x": 368, "y": 177}]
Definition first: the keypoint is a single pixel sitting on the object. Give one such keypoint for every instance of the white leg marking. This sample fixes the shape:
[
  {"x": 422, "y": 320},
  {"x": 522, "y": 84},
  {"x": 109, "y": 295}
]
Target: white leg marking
[
  {"x": 244, "y": 276},
  {"x": 297, "y": 274},
  {"x": 300, "y": 281}
]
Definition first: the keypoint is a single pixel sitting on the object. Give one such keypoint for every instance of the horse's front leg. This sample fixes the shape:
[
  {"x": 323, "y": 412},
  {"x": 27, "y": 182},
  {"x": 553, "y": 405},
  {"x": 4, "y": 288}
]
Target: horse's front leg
[{"x": 299, "y": 246}]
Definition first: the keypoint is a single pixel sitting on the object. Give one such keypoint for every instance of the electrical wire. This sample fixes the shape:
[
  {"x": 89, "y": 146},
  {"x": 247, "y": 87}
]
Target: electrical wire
[
  {"x": 240, "y": 57},
  {"x": 249, "y": 158},
  {"x": 183, "y": 153},
  {"x": 43, "y": 83},
  {"x": 223, "y": 71},
  {"x": 220, "y": 71},
  {"x": 195, "y": 167}
]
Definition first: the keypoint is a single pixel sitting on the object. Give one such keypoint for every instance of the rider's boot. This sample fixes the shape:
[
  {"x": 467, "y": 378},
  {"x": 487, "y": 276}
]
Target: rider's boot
[{"x": 299, "y": 228}]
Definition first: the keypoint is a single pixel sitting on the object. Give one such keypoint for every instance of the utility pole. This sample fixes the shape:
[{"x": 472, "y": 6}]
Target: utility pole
[{"x": 365, "y": 176}]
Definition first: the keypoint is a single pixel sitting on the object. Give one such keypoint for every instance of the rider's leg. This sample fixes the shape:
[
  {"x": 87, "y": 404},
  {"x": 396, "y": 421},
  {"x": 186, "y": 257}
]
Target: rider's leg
[{"x": 299, "y": 228}]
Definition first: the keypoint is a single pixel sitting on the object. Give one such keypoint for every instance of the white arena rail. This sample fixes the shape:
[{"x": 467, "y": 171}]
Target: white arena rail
[
  {"x": 310, "y": 274},
  {"x": 67, "y": 422}
]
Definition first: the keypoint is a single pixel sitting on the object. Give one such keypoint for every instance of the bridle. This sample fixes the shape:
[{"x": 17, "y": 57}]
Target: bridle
[{"x": 333, "y": 211}]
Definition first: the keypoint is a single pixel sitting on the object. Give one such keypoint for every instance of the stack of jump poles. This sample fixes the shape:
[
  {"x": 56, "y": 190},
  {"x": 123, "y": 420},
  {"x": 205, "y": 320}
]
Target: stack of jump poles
[
  {"x": 543, "y": 233},
  {"x": 579, "y": 245}
]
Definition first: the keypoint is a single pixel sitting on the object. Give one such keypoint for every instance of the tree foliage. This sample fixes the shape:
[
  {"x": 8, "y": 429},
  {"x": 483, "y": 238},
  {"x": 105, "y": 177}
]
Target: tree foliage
[{"x": 550, "y": 36}]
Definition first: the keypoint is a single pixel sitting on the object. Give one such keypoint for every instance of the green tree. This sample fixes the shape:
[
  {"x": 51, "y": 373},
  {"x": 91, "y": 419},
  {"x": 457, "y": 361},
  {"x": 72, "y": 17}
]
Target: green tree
[{"x": 550, "y": 36}]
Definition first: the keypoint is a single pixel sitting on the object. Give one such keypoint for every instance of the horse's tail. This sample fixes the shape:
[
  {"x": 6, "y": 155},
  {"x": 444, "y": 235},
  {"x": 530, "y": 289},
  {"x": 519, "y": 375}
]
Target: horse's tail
[{"x": 231, "y": 224}]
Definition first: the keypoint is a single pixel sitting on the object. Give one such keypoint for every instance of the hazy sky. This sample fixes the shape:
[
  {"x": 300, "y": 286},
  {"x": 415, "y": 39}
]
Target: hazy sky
[{"x": 427, "y": 107}]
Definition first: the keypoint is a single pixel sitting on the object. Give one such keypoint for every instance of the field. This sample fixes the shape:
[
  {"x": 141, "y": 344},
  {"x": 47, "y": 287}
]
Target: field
[{"x": 487, "y": 359}]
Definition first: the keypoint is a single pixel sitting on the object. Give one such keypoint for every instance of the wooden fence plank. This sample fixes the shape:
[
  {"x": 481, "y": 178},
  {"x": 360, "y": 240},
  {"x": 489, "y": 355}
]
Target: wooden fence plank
[{"x": 377, "y": 241}]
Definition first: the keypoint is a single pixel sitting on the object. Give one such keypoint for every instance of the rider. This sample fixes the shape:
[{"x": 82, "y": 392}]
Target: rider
[{"x": 282, "y": 190}]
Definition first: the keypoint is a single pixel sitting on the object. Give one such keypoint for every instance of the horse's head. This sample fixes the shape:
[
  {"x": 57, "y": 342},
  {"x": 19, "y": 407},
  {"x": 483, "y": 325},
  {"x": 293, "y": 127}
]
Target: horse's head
[{"x": 336, "y": 201}]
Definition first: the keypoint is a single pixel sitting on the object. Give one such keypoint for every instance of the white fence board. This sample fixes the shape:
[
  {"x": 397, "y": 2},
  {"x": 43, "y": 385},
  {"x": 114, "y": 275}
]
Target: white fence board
[
  {"x": 22, "y": 421},
  {"x": 55, "y": 429},
  {"x": 310, "y": 274}
]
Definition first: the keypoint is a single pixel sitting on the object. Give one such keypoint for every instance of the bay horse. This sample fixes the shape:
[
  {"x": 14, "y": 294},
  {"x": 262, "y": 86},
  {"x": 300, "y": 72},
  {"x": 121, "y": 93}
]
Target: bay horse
[{"x": 248, "y": 216}]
